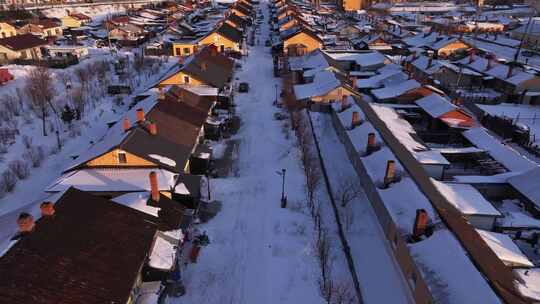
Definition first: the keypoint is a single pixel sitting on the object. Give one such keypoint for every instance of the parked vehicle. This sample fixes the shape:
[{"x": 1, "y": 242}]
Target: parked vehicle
[{"x": 243, "y": 87}]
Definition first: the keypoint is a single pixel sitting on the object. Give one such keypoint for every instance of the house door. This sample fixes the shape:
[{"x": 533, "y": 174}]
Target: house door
[{"x": 222, "y": 48}]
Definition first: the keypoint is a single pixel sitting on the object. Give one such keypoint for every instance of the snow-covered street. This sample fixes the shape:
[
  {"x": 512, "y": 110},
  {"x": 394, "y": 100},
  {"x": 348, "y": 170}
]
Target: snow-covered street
[{"x": 258, "y": 252}]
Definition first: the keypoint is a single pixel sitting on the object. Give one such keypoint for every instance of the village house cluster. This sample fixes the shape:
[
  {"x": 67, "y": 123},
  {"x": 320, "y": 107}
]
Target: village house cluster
[
  {"x": 142, "y": 182},
  {"x": 435, "y": 104}
]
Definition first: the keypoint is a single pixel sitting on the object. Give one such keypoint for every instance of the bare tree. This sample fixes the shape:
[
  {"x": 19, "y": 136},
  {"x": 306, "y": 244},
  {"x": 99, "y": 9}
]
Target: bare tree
[
  {"x": 347, "y": 191},
  {"x": 39, "y": 87},
  {"x": 313, "y": 178},
  {"x": 343, "y": 293},
  {"x": 325, "y": 263}
]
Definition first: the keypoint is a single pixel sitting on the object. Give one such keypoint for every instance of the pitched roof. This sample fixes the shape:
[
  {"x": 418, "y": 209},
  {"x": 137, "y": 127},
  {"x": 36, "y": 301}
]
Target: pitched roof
[
  {"x": 230, "y": 32},
  {"x": 234, "y": 18},
  {"x": 90, "y": 251},
  {"x": 22, "y": 42},
  {"x": 435, "y": 105},
  {"x": 178, "y": 122},
  {"x": 214, "y": 69},
  {"x": 156, "y": 149}
]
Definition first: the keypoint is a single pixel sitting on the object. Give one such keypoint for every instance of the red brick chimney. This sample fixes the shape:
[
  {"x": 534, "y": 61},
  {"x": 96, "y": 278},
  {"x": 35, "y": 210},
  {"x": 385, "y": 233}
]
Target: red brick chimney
[
  {"x": 510, "y": 70},
  {"x": 140, "y": 115},
  {"x": 26, "y": 223},
  {"x": 420, "y": 223},
  {"x": 355, "y": 121},
  {"x": 489, "y": 63},
  {"x": 154, "y": 190},
  {"x": 353, "y": 82},
  {"x": 126, "y": 124},
  {"x": 370, "y": 143},
  {"x": 344, "y": 102},
  {"x": 471, "y": 55},
  {"x": 47, "y": 209},
  {"x": 390, "y": 174},
  {"x": 152, "y": 128}
]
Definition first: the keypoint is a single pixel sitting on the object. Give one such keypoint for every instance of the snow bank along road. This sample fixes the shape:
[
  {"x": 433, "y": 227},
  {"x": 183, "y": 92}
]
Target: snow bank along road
[
  {"x": 381, "y": 280},
  {"x": 259, "y": 253}
]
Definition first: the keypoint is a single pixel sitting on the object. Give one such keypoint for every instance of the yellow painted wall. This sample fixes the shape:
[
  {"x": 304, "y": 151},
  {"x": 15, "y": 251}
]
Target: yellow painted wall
[
  {"x": 452, "y": 48},
  {"x": 302, "y": 38},
  {"x": 353, "y": 5},
  {"x": 5, "y": 53},
  {"x": 181, "y": 47},
  {"x": 219, "y": 40},
  {"x": 68, "y": 21},
  {"x": 178, "y": 78},
  {"x": 333, "y": 96},
  {"x": 7, "y": 30},
  {"x": 111, "y": 159}
]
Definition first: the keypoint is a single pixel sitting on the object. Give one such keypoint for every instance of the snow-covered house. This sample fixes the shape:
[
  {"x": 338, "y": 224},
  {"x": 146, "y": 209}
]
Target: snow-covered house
[
  {"x": 207, "y": 67},
  {"x": 323, "y": 86},
  {"x": 299, "y": 40},
  {"x": 225, "y": 37},
  {"x": 441, "y": 110},
  {"x": 359, "y": 60},
  {"x": 526, "y": 185},
  {"x": 471, "y": 203},
  {"x": 389, "y": 92},
  {"x": 26, "y": 46}
]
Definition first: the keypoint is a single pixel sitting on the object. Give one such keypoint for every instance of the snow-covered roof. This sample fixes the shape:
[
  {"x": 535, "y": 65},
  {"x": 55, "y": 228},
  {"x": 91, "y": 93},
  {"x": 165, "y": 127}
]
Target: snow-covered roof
[
  {"x": 435, "y": 105},
  {"x": 403, "y": 130},
  {"x": 442, "y": 259},
  {"x": 505, "y": 155},
  {"x": 466, "y": 199},
  {"x": 115, "y": 135},
  {"x": 505, "y": 248},
  {"x": 149, "y": 292},
  {"x": 313, "y": 60},
  {"x": 527, "y": 184},
  {"x": 323, "y": 83},
  {"x": 113, "y": 179},
  {"x": 395, "y": 90},
  {"x": 366, "y": 60},
  {"x": 201, "y": 90},
  {"x": 529, "y": 285},
  {"x": 163, "y": 253},
  {"x": 423, "y": 64},
  {"x": 386, "y": 77},
  {"x": 137, "y": 201}
]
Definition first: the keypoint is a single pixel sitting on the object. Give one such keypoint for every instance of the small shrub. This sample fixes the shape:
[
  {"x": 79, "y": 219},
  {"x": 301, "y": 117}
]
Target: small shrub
[
  {"x": 8, "y": 181},
  {"x": 27, "y": 141},
  {"x": 19, "y": 168},
  {"x": 35, "y": 156}
]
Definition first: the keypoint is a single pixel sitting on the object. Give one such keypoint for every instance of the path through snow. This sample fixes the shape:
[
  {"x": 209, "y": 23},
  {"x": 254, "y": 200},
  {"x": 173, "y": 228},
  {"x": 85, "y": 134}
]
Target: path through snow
[{"x": 259, "y": 253}]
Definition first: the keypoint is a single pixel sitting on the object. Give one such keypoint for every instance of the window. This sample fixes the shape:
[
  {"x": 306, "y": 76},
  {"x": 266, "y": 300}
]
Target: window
[
  {"x": 186, "y": 51},
  {"x": 186, "y": 79},
  {"x": 178, "y": 51},
  {"x": 3, "y": 35},
  {"x": 122, "y": 158},
  {"x": 222, "y": 48}
]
